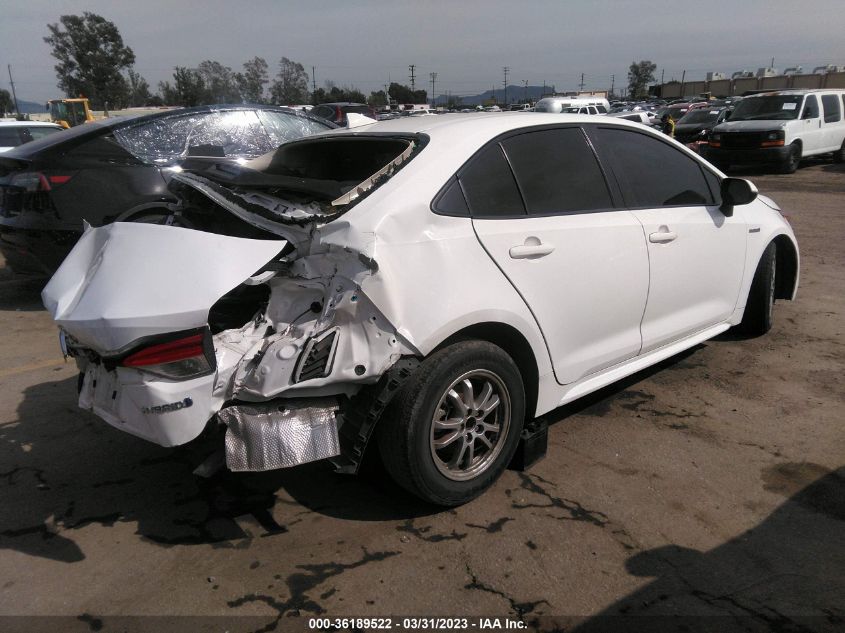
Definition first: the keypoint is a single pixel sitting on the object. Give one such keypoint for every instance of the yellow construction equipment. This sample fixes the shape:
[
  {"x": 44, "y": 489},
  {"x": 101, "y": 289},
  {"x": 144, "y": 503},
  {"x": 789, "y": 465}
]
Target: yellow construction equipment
[{"x": 70, "y": 112}]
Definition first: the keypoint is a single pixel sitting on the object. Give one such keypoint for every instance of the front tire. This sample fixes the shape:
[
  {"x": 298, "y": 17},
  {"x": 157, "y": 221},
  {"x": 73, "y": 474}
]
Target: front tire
[
  {"x": 453, "y": 427},
  {"x": 757, "y": 319},
  {"x": 790, "y": 165}
]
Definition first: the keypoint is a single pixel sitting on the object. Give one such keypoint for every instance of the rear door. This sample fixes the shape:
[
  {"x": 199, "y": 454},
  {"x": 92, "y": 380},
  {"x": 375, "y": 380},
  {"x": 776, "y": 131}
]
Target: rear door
[
  {"x": 833, "y": 127},
  {"x": 696, "y": 254},
  {"x": 812, "y": 134},
  {"x": 543, "y": 211}
]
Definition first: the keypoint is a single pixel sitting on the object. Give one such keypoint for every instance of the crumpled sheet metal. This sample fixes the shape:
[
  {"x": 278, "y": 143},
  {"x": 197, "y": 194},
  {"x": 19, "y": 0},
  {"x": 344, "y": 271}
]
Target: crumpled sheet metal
[{"x": 271, "y": 435}]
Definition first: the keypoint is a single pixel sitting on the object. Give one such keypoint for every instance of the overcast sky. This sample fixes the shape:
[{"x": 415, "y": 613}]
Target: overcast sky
[{"x": 366, "y": 43}]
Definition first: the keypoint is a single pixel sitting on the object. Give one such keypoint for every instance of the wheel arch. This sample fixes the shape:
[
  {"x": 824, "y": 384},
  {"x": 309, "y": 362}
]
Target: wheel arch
[
  {"x": 786, "y": 268},
  {"x": 515, "y": 345}
]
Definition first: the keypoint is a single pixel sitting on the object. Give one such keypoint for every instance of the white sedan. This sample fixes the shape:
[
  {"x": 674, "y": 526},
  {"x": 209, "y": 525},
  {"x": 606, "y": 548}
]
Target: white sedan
[
  {"x": 429, "y": 284},
  {"x": 15, "y": 133}
]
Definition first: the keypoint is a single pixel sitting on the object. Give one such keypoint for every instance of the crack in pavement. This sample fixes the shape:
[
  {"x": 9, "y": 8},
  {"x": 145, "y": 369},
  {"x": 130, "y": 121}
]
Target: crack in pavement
[
  {"x": 492, "y": 528},
  {"x": 300, "y": 583},
  {"x": 576, "y": 511},
  {"x": 420, "y": 533},
  {"x": 521, "y": 609}
]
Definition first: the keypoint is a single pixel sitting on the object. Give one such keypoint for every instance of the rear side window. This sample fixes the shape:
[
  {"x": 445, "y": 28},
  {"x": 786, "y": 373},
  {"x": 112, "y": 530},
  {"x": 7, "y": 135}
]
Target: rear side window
[
  {"x": 557, "y": 172},
  {"x": 489, "y": 186},
  {"x": 10, "y": 137},
  {"x": 831, "y": 108},
  {"x": 651, "y": 172}
]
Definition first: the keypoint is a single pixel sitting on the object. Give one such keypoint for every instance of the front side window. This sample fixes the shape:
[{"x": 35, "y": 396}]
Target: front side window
[
  {"x": 557, "y": 172},
  {"x": 650, "y": 172},
  {"x": 811, "y": 108},
  {"x": 40, "y": 132}
]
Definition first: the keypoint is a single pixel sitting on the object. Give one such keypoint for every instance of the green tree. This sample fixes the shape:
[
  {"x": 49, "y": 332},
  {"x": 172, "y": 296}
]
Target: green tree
[
  {"x": 640, "y": 74},
  {"x": 378, "y": 99},
  {"x": 139, "y": 90},
  {"x": 332, "y": 94},
  {"x": 252, "y": 81},
  {"x": 189, "y": 88},
  {"x": 291, "y": 84},
  {"x": 403, "y": 94},
  {"x": 220, "y": 83},
  {"x": 91, "y": 56},
  {"x": 6, "y": 104}
]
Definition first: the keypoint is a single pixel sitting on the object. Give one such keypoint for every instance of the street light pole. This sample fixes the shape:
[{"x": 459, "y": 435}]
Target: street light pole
[{"x": 433, "y": 98}]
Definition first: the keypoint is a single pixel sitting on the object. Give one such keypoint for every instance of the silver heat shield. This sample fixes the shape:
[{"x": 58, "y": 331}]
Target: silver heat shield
[{"x": 280, "y": 434}]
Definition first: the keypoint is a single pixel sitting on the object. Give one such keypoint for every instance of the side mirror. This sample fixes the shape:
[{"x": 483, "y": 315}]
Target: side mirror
[{"x": 736, "y": 191}]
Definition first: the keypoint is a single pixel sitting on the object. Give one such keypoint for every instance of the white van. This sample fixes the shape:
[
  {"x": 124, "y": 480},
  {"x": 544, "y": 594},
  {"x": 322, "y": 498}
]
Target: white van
[
  {"x": 781, "y": 127},
  {"x": 575, "y": 105}
]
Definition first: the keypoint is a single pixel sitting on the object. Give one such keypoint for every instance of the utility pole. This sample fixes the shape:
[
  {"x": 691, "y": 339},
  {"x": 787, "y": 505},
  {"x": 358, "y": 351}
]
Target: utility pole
[
  {"x": 14, "y": 96},
  {"x": 544, "y": 87},
  {"x": 412, "y": 77},
  {"x": 581, "y": 85},
  {"x": 433, "y": 98},
  {"x": 683, "y": 76},
  {"x": 662, "y": 70},
  {"x": 612, "y": 84},
  {"x": 506, "y": 70},
  {"x": 313, "y": 79},
  {"x": 525, "y": 85}
]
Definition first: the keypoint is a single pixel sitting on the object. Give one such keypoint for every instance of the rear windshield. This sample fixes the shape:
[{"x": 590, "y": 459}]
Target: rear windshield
[{"x": 774, "y": 107}]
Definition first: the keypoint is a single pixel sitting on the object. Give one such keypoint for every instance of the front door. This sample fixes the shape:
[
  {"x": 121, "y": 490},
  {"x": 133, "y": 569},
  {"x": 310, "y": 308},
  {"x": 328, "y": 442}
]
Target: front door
[{"x": 696, "y": 254}]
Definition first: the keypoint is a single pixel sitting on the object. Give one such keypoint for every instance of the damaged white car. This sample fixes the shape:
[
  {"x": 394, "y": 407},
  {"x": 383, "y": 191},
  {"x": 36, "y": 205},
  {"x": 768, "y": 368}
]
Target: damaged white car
[{"x": 425, "y": 283}]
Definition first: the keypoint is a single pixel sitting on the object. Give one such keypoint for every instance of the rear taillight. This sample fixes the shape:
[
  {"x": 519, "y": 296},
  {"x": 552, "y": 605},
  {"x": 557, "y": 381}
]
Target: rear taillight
[
  {"x": 56, "y": 180},
  {"x": 32, "y": 181},
  {"x": 185, "y": 357}
]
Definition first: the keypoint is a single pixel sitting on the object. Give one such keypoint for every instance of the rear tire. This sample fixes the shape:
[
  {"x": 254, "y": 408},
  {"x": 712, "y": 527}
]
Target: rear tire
[
  {"x": 792, "y": 161},
  {"x": 757, "y": 319},
  {"x": 453, "y": 427}
]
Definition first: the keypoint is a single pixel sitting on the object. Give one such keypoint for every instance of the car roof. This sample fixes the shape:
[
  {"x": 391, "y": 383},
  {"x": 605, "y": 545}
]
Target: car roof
[
  {"x": 29, "y": 124},
  {"x": 445, "y": 127}
]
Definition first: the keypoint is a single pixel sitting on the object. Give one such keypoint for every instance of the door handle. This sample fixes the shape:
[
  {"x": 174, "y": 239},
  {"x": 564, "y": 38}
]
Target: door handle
[
  {"x": 532, "y": 249},
  {"x": 662, "y": 237}
]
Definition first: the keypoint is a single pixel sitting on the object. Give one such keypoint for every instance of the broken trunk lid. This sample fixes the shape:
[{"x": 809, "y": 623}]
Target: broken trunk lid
[{"x": 126, "y": 281}]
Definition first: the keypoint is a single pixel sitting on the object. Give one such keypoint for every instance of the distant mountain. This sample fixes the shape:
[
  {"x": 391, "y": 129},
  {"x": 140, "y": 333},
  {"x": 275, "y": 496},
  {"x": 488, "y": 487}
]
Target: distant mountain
[
  {"x": 515, "y": 95},
  {"x": 30, "y": 107}
]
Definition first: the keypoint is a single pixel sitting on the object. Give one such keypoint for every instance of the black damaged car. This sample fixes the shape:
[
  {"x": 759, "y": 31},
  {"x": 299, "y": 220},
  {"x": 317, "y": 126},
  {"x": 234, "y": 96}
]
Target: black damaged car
[{"x": 117, "y": 170}]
